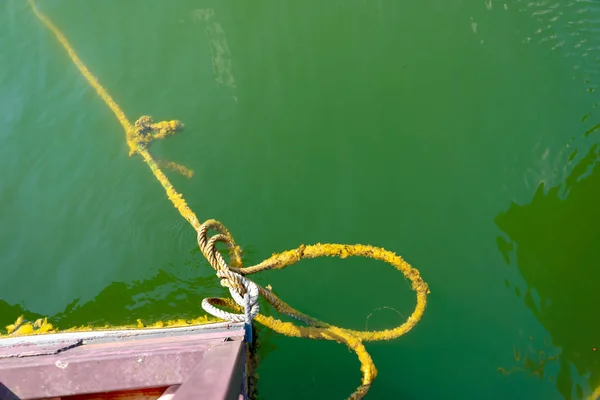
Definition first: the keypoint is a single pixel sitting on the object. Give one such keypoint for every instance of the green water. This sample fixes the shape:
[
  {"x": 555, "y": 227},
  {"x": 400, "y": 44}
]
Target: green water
[{"x": 452, "y": 133}]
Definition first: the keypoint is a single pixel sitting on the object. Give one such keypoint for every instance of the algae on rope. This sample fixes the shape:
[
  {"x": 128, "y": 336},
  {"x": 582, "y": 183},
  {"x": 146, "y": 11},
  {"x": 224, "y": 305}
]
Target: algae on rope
[{"x": 139, "y": 137}]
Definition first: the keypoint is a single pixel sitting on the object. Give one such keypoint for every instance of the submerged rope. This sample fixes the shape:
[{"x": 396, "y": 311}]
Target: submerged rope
[{"x": 244, "y": 291}]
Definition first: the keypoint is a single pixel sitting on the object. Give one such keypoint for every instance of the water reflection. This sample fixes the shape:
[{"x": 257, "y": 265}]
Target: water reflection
[
  {"x": 168, "y": 294},
  {"x": 530, "y": 361},
  {"x": 568, "y": 26},
  {"x": 554, "y": 241},
  {"x": 162, "y": 296}
]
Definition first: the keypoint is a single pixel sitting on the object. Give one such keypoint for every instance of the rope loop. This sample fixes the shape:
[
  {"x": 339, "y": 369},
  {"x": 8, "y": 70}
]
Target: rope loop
[
  {"x": 243, "y": 291},
  {"x": 248, "y": 302},
  {"x": 230, "y": 276}
]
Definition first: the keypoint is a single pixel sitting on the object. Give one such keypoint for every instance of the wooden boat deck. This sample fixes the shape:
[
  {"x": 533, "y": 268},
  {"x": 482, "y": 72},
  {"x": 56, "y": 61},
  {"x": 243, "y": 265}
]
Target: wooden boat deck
[{"x": 195, "y": 362}]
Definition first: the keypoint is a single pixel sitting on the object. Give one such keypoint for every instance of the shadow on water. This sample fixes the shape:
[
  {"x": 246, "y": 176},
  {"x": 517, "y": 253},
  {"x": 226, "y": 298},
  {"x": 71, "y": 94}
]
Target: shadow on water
[
  {"x": 173, "y": 292},
  {"x": 9, "y": 313},
  {"x": 554, "y": 242},
  {"x": 163, "y": 296}
]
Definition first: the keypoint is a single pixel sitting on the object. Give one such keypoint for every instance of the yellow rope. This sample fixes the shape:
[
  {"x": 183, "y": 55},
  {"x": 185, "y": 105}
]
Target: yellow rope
[
  {"x": 139, "y": 136},
  {"x": 596, "y": 394}
]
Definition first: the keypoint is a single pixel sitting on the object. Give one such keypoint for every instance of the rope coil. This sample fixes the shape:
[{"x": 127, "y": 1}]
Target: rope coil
[
  {"x": 244, "y": 292},
  {"x": 239, "y": 285}
]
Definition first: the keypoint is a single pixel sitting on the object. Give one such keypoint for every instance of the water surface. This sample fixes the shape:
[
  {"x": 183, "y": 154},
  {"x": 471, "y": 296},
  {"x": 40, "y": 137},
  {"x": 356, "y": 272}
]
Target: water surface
[{"x": 459, "y": 135}]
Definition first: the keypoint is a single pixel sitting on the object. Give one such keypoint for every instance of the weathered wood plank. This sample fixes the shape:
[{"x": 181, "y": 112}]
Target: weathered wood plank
[
  {"x": 218, "y": 376},
  {"x": 115, "y": 363}
]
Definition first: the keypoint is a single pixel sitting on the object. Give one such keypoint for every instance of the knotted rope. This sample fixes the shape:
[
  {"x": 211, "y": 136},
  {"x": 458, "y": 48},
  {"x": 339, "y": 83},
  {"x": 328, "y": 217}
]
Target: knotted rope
[
  {"x": 239, "y": 286},
  {"x": 244, "y": 291}
]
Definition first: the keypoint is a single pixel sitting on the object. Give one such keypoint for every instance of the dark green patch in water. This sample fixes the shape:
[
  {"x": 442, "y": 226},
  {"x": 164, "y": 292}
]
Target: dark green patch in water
[{"x": 451, "y": 133}]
